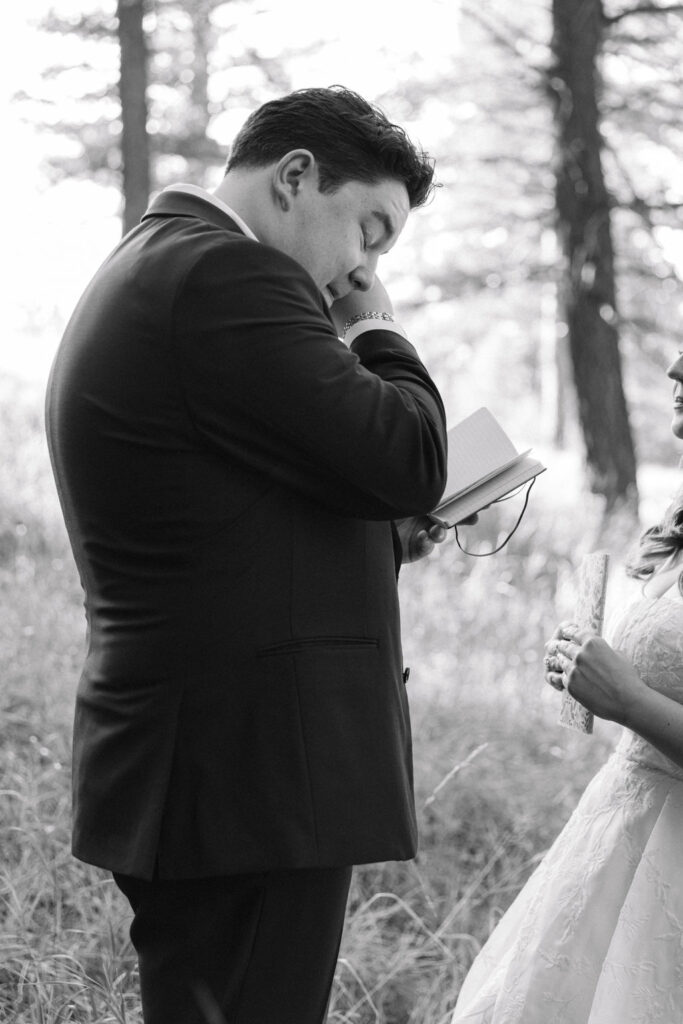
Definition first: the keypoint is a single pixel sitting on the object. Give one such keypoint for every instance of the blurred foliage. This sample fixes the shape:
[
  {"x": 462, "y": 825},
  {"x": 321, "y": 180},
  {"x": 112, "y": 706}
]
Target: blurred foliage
[
  {"x": 486, "y": 246},
  {"x": 183, "y": 57},
  {"x": 475, "y": 277}
]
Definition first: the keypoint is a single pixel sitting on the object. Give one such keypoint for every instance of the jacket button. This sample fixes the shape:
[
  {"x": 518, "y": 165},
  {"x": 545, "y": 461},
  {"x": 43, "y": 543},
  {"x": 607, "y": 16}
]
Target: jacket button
[{"x": 406, "y": 675}]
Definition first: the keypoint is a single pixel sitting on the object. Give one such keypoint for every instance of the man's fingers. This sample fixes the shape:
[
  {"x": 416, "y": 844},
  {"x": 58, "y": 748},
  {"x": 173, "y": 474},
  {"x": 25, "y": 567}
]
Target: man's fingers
[
  {"x": 420, "y": 544},
  {"x": 437, "y": 533}
]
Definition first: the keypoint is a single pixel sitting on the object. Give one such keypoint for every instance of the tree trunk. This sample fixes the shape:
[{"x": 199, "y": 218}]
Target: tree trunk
[
  {"x": 202, "y": 36},
  {"x": 588, "y": 292},
  {"x": 199, "y": 116},
  {"x": 133, "y": 95}
]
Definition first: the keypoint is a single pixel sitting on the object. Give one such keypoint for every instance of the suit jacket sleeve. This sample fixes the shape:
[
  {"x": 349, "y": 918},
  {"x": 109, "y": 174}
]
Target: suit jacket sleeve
[{"x": 267, "y": 381}]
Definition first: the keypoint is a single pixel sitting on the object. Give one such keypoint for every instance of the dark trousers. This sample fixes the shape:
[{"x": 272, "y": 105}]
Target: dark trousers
[{"x": 241, "y": 949}]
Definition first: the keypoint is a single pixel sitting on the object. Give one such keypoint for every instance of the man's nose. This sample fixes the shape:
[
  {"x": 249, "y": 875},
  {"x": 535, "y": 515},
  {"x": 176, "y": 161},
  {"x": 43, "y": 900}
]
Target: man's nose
[{"x": 363, "y": 277}]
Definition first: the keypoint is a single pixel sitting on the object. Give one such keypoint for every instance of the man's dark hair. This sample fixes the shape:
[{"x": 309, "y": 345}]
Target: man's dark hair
[{"x": 351, "y": 140}]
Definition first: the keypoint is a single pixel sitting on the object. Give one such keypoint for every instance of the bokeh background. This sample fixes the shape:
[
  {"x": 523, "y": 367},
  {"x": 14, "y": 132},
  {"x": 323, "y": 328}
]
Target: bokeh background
[{"x": 543, "y": 281}]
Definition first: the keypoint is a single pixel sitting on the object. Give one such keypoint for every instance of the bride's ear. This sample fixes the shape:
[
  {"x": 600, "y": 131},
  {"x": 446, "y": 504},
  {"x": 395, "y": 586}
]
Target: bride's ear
[{"x": 293, "y": 173}]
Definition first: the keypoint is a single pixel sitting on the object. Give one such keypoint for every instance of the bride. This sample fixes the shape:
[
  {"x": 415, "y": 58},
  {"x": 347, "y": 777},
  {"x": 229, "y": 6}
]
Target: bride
[{"x": 596, "y": 934}]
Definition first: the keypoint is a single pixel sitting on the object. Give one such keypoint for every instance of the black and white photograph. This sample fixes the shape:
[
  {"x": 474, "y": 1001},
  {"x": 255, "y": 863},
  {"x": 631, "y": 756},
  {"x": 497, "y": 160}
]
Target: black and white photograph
[{"x": 341, "y": 512}]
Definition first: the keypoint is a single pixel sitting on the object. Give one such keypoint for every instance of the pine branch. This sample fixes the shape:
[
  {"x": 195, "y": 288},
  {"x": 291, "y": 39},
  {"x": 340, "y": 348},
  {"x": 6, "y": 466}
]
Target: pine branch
[
  {"x": 209, "y": 5},
  {"x": 642, "y": 9},
  {"x": 508, "y": 42},
  {"x": 645, "y": 207},
  {"x": 643, "y": 325},
  {"x": 55, "y": 70},
  {"x": 86, "y": 26}
]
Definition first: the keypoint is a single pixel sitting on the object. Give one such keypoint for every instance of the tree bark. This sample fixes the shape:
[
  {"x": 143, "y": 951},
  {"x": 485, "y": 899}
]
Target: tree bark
[
  {"x": 202, "y": 35},
  {"x": 588, "y": 292},
  {"x": 200, "y": 148},
  {"x": 133, "y": 95}
]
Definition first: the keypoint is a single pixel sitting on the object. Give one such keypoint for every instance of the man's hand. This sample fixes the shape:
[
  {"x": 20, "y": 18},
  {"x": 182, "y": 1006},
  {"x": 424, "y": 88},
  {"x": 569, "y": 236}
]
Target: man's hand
[
  {"x": 418, "y": 535},
  {"x": 375, "y": 299}
]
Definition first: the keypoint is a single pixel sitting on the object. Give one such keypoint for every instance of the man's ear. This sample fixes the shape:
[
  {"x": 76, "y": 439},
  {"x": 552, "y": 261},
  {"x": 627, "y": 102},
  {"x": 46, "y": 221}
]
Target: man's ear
[{"x": 293, "y": 172}]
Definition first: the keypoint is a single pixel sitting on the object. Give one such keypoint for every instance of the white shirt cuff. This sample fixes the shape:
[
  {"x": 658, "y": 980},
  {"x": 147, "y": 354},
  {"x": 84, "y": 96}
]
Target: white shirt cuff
[{"x": 372, "y": 325}]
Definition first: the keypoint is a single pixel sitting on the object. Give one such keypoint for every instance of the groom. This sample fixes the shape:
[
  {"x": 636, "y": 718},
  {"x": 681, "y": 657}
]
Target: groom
[{"x": 229, "y": 472}]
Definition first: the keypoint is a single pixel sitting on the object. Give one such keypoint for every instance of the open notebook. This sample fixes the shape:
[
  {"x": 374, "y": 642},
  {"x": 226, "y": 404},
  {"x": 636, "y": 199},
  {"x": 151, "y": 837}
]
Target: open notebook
[{"x": 483, "y": 466}]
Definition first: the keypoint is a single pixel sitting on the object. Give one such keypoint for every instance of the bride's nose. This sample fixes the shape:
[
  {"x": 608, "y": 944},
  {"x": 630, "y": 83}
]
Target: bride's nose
[{"x": 675, "y": 371}]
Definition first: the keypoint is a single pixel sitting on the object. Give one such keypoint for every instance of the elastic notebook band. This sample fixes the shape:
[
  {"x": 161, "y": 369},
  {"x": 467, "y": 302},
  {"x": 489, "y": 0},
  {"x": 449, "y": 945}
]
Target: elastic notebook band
[{"x": 485, "y": 554}]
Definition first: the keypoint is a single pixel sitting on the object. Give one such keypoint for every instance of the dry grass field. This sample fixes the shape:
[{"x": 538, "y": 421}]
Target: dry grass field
[{"x": 495, "y": 776}]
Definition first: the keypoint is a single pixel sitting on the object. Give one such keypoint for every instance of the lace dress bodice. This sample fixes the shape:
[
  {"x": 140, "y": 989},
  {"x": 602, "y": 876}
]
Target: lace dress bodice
[
  {"x": 650, "y": 635},
  {"x": 596, "y": 934}
]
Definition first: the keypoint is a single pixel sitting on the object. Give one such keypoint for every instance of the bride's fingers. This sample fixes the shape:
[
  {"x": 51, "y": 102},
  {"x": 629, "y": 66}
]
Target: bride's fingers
[
  {"x": 555, "y": 679},
  {"x": 571, "y": 632},
  {"x": 568, "y": 648},
  {"x": 553, "y": 664},
  {"x": 561, "y": 649},
  {"x": 564, "y": 627},
  {"x": 551, "y": 647}
]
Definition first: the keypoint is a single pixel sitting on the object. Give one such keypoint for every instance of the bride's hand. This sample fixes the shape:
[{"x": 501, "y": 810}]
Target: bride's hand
[
  {"x": 551, "y": 662},
  {"x": 594, "y": 673}
]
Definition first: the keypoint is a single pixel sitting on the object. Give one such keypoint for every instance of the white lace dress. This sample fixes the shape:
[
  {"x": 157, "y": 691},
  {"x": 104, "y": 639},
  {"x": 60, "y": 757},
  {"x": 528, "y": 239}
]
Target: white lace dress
[{"x": 596, "y": 934}]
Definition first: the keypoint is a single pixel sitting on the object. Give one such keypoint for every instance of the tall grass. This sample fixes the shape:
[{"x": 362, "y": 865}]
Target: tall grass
[{"x": 495, "y": 776}]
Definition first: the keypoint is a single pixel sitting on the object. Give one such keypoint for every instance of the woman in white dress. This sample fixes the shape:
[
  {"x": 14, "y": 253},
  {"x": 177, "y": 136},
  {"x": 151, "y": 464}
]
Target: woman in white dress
[{"x": 596, "y": 934}]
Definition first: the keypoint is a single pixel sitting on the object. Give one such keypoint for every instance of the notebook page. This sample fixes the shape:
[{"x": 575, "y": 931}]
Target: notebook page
[
  {"x": 479, "y": 497},
  {"x": 477, "y": 447}
]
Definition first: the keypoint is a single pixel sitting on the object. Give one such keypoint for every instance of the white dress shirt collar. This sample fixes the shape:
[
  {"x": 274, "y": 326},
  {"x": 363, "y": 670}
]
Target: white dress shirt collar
[{"x": 209, "y": 197}]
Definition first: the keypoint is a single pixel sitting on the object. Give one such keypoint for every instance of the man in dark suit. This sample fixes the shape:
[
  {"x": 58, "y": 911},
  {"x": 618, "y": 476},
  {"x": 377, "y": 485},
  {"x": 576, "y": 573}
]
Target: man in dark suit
[{"x": 229, "y": 472}]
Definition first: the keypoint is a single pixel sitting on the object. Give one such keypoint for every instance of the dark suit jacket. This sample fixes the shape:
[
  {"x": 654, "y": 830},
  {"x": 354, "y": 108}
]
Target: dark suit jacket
[{"x": 228, "y": 471}]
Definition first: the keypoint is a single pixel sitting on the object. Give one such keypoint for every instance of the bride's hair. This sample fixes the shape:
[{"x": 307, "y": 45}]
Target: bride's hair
[{"x": 659, "y": 542}]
